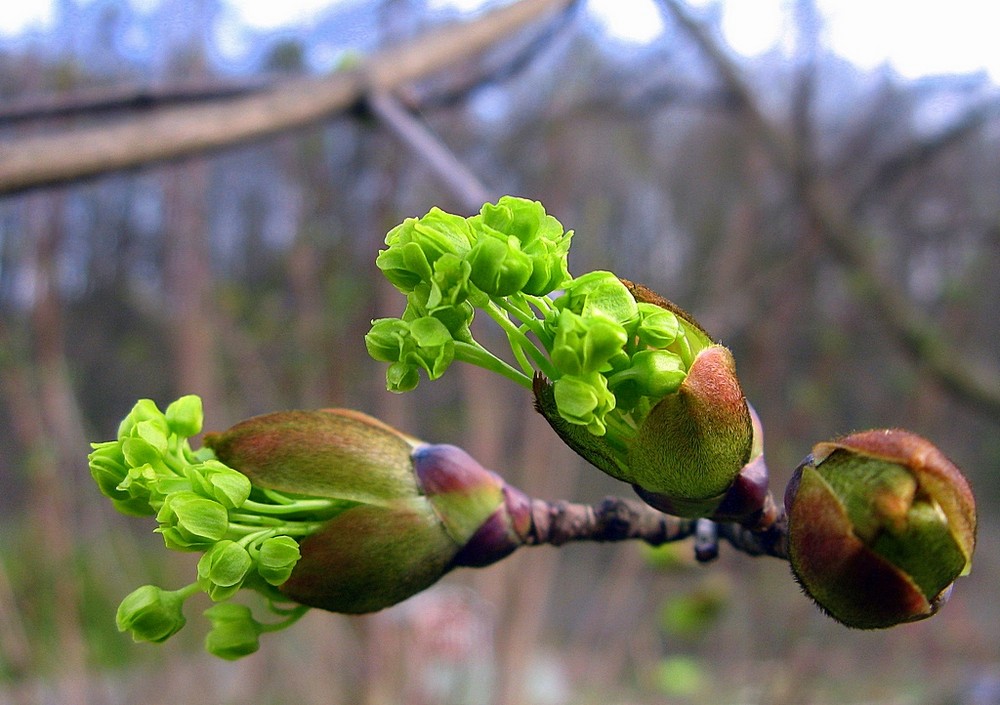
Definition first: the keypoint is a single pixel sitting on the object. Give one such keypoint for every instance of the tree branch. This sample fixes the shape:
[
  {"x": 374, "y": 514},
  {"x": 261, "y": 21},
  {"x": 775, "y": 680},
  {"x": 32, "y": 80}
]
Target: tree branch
[
  {"x": 436, "y": 155},
  {"x": 172, "y": 133},
  {"x": 96, "y": 101},
  {"x": 844, "y": 238},
  {"x": 617, "y": 519}
]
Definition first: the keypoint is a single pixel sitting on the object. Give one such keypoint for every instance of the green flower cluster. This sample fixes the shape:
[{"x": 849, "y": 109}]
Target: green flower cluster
[
  {"x": 249, "y": 536},
  {"x": 610, "y": 357}
]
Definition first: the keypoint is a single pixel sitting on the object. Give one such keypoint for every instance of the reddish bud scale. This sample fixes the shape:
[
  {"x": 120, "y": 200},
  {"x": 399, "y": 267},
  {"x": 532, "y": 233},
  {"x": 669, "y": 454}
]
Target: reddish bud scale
[
  {"x": 693, "y": 443},
  {"x": 501, "y": 534},
  {"x": 411, "y": 511},
  {"x": 880, "y": 525},
  {"x": 480, "y": 511}
]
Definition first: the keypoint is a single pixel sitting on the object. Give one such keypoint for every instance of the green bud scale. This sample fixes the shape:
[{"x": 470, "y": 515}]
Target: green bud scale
[{"x": 880, "y": 525}]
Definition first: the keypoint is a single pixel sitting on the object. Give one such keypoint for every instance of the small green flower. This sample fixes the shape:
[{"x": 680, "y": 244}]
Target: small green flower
[
  {"x": 499, "y": 266},
  {"x": 585, "y": 345},
  {"x": 189, "y": 521},
  {"x": 651, "y": 373},
  {"x": 600, "y": 295},
  {"x": 529, "y": 231},
  {"x": 658, "y": 327},
  {"x": 585, "y": 400},
  {"x": 223, "y": 568},
  {"x": 185, "y": 416},
  {"x": 235, "y": 633},
  {"x": 445, "y": 296},
  {"x": 276, "y": 558},
  {"x": 110, "y": 470},
  {"x": 417, "y": 243},
  {"x": 223, "y": 484},
  {"x": 424, "y": 343},
  {"x": 152, "y": 614}
]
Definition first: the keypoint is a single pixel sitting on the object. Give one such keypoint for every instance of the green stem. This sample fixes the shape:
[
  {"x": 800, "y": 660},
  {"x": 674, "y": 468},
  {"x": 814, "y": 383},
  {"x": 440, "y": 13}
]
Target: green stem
[
  {"x": 522, "y": 313},
  {"x": 476, "y": 354},
  {"x": 516, "y": 337},
  {"x": 187, "y": 591},
  {"x": 256, "y": 536},
  {"x": 293, "y": 615},
  {"x": 276, "y": 496},
  {"x": 312, "y": 506},
  {"x": 245, "y": 524},
  {"x": 542, "y": 303}
]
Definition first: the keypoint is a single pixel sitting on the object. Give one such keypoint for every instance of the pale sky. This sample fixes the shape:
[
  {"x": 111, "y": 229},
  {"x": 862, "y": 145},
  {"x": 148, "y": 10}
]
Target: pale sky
[{"x": 916, "y": 38}]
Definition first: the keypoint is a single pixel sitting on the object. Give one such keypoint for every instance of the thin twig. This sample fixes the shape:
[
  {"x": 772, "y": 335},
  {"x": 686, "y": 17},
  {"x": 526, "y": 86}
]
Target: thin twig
[
  {"x": 617, "y": 519},
  {"x": 434, "y": 153}
]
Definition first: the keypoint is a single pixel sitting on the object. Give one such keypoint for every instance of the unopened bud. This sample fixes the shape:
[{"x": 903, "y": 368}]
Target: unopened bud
[
  {"x": 151, "y": 614},
  {"x": 881, "y": 524}
]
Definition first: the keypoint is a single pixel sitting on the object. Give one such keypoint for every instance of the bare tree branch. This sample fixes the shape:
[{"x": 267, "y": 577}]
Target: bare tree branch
[
  {"x": 844, "y": 239},
  {"x": 617, "y": 519},
  {"x": 172, "y": 133},
  {"x": 111, "y": 99},
  {"x": 914, "y": 156},
  {"x": 459, "y": 179}
]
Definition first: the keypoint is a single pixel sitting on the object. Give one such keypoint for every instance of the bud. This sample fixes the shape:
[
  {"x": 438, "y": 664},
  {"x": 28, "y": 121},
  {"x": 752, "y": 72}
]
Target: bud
[
  {"x": 663, "y": 412},
  {"x": 235, "y": 633},
  {"x": 189, "y": 521},
  {"x": 223, "y": 568},
  {"x": 410, "y": 513},
  {"x": 151, "y": 614},
  {"x": 880, "y": 525},
  {"x": 277, "y": 558},
  {"x": 693, "y": 443}
]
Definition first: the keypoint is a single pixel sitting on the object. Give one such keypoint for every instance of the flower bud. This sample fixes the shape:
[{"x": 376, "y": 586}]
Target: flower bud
[
  {"x": 228, "y": 487},
  {"x": 185, "y": 416},
  {"x": 693, "y": 444},
  {"x": 235, "y": 633},
  {"x": 189, "y": 521},
  {"x": 223, "y": 568},
  {"x": 417, "y": 243},
  {"x": 277, "y": 558},
  {"x": 880, "y": 525},
  {"x": 151, "y": 614},
  {"x": 411, "y": 511}
]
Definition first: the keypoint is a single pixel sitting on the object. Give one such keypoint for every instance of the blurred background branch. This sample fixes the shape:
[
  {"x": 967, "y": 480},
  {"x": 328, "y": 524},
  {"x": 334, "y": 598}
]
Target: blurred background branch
[
  {"x": 845, "y": 239},
  {"x": 176, "y": 132}
]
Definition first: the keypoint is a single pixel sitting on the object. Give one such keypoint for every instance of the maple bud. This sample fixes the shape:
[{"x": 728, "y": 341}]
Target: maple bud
[
  {"x": 880, "y": 525},
  {"x": 407, "y": 512},
  {"x": 693, "y": 444}
]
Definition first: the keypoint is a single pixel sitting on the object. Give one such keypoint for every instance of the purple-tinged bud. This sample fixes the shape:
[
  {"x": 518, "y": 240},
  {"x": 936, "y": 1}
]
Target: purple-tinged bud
[
  {"x": 880, "y": 525},
  {"x": 501, "y": 534},
  {"x": 479, "y": 510},
  {"x": 410, "y": 511}
]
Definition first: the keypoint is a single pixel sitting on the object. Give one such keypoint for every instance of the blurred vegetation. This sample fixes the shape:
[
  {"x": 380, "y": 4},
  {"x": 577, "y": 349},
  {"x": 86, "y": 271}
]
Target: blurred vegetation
[{"x": 247, "y": 277}]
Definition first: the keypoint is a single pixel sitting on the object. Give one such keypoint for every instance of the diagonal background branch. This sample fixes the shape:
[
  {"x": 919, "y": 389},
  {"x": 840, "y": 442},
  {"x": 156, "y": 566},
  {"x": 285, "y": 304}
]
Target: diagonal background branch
[
  {"x": 175, "y": 132},
  {"x": 844, "y": 238}
]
